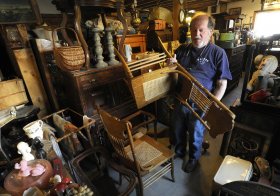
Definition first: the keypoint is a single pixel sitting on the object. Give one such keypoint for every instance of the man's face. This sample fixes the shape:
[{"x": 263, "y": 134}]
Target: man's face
[{"x": 200, "y": 33}]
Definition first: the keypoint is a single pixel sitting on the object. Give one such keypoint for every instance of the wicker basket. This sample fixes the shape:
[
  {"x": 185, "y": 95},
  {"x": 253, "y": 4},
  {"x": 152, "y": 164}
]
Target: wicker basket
[{"x": 68, "y": 58}]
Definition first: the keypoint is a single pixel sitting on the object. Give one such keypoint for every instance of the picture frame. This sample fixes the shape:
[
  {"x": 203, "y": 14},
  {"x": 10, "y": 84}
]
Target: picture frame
[
  {"x": 13, "y": 36},
  {"x": 235, "y": 11},
  {"x": 223, "y": 7},
  {"x": 19, "y": 12}
]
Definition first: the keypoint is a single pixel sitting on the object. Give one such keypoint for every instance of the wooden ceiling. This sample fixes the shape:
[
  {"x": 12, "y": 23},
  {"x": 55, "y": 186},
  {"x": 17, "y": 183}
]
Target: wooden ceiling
[{"x": 188, "y": 4}]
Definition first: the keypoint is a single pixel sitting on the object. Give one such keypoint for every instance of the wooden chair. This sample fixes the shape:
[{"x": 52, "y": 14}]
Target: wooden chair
[
  {"x": 172, "y": 46},
  {"x": 144, "y": 155},
  {"x": 218, "y": 119},
  {"x": 247, "y": 188},
  {"x": 139, "y": 119},
  {"x": 147, "y": 77},
  {"x": 95, "y": 168}
]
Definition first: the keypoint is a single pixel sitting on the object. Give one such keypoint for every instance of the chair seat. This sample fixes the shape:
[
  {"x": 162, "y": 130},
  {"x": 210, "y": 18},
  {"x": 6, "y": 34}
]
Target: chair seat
[
  {"x": 153, "y": 155},
  {"x": 145, "y": 153}
]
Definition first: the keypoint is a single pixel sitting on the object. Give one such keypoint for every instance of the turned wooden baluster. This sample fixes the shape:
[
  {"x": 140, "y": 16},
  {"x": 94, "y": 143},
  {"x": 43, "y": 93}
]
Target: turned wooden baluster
[
  {"x": 104, "y": 4},
  {"x": 110, "y": 46},
  {"x": 98, "y": 49}
]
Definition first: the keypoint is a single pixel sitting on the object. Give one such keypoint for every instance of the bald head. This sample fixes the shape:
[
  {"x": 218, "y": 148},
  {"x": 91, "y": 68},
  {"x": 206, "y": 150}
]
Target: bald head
[
  {"x": 203, "y": 16},
  {"x": 201, "y": 27}
]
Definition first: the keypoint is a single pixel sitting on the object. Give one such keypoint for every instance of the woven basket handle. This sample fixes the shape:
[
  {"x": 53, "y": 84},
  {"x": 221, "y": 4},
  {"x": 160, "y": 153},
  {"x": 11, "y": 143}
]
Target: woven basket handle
[{"x": 59, "y": 28}]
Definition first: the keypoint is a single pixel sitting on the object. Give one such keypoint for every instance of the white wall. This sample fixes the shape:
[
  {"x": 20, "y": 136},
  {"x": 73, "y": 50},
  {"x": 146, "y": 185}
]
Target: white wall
[{"x": 248, "y": 7}]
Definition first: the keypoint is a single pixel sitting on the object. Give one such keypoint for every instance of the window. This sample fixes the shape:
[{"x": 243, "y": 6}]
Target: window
[{"x": 267, "y": 23}]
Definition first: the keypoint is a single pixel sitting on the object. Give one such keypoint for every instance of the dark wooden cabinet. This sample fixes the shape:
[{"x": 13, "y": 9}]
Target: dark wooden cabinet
[
  {"x": 80, "y": 90},
  {"x": 235, "y": 58},
  {"x": 86, "y": 89}
]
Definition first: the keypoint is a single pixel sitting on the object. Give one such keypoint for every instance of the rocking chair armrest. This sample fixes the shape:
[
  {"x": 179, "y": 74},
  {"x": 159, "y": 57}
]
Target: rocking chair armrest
[
  {"x": 139, "y": 112},
  {"x": 150, "y": 118},
  {"x": 132, "y": 180},
  {"x": 128, "y": 174}
]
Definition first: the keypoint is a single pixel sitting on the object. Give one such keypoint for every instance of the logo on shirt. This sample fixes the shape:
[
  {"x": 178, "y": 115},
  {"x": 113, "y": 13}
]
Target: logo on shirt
[{"x": 202, "y": 60}]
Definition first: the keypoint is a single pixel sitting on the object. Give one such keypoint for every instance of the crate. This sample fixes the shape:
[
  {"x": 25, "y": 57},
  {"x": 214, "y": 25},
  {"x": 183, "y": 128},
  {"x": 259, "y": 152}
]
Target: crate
[
  {"x": 12, "y": 93},
  {"x": 160, "y": 24},
  {"x": 83, "y": 135}
]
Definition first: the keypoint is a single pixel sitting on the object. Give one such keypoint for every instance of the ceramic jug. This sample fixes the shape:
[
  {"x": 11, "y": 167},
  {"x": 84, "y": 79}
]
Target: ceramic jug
[{"x": 34, "y": 129}]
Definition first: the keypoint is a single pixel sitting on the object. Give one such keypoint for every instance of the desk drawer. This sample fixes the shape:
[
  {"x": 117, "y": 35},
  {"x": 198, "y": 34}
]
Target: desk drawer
[
  {"x": 134, "y": 39},
  {"x": 100, "y": 78}
]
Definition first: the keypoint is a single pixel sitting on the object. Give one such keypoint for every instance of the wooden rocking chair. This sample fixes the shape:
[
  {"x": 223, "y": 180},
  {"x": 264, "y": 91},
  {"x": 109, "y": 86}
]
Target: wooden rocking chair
[{"x": 142, "y": 155}]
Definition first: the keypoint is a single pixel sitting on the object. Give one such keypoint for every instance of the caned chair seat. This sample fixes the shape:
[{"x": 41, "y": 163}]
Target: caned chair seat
[
  {"x": 149, "y": 153},
  {"x": 147, "y": 78}
]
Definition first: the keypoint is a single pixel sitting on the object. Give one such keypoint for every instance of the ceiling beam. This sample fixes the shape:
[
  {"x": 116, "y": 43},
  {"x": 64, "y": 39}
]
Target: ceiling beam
[
  {"x": 145, "y": 4},
  {"x": 196, "y": 5}
]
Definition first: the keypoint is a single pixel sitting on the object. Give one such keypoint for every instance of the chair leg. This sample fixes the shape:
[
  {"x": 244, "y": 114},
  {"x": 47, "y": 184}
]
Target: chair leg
[
  {"x": 172, "y": 170},
  {"x": 155, "y": 129},
  {"x": 120, "y": 178},
  {"x": 138, "y": 190},
  {"x": 155, "y": 122},
  {"x": 205, "y": 146},
  {"x": 140, "y": 187}
]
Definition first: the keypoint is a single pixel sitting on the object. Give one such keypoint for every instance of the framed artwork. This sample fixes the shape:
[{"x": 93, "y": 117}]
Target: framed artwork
[
  {"x": 19, "y": 12},
  {"x": 213, "y": 9},
  {"x": 13, "y": 36},
  {"x": 223, "y": 7},
  {"x": 235, "y": 11}
]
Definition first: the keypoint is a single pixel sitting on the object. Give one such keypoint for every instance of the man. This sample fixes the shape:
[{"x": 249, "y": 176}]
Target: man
[{"x": 208, "y": 63}]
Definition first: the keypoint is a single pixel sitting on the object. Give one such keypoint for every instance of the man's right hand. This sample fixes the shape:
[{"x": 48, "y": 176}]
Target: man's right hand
[{"x": 172, "y": 60}]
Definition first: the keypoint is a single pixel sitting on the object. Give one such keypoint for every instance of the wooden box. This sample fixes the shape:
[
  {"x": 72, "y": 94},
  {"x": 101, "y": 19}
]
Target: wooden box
[
  {"x": 12, "y": 93},
  {"x": 136, "y": 41},
  {"x": 71, "y": 134},
  {"x": 160, "y": 24}
]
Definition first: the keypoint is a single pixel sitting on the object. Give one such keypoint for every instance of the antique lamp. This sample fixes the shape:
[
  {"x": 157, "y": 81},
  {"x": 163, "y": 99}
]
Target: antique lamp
[{"x": 135, "y": 20}]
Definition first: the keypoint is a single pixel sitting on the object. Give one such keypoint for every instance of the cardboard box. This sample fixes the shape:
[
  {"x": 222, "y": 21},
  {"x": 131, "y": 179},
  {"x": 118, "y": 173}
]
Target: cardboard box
[{"x": 12, "y": 93}]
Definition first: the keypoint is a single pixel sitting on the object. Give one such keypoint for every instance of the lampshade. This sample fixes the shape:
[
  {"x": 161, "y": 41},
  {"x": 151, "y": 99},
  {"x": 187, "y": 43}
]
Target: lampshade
[{"x": 161, "y": 13}]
